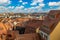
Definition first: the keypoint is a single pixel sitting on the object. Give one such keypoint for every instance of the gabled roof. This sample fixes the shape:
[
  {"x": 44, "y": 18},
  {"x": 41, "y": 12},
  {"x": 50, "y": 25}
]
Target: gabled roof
[
  {"x": 46, "y": 26},
  {"x": 54, "y": 11},
  {"x": 22, "y": 19},
  {"x": 3, "y": 29},
  {"x": 34, "y": 23},
  {"x": 52, "y": 15}
]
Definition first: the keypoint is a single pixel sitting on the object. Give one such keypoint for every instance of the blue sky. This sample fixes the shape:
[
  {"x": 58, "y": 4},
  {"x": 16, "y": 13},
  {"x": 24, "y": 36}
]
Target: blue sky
[{"x": 28, "y": 6}]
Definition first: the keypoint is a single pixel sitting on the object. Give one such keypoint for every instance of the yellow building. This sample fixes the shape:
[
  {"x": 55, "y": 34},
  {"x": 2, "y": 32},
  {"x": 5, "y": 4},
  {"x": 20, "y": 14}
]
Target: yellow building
[{"x": 55, "y": 35}]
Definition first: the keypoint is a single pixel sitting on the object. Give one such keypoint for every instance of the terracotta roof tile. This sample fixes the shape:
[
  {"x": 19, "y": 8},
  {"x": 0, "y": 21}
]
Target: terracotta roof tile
[
  {"x": 34, "y": 23},
  {"x": 48, "y": 24},
  {"x": 2, "y": 29}
]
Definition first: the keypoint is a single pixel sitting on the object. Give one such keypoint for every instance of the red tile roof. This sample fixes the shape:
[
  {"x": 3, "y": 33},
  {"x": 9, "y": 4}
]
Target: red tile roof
[
  {"x": 34, "y": 23},
  {"x": 49, "y": 24},
  {"x": 3, "y": 29}
]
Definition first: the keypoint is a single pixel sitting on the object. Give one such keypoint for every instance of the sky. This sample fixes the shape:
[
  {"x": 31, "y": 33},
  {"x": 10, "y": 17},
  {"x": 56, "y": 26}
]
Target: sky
[{"x": 28, "y": 6}]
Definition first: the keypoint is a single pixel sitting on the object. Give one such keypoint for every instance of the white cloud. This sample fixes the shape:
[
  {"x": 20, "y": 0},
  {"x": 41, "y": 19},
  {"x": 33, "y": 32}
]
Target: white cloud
[
  {"x": 18, "y": 9},
  {"x": 21, "y": 8},
  {"x": 4, "y": 9},
  {"x": 54, "y": 3},
  {"x": 25, "y": 3},
  {"x": 58, "y": 8},
  {"x": 25, "y": 9},
  {"x": 40, "y": 1},
  {"x": 29, "y": 10},
  {"x": 20, "y": 1},
  {"x": 34, "y": 2},
  {"x": 11, "y": 7},
  {"x": 5, "y": 1},
  {"x": 33, "y": 9},
  {"x": 41, "y": 5}
]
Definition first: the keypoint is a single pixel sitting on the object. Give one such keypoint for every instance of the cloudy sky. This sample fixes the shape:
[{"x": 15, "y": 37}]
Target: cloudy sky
[{"x": 29, "y": 6}]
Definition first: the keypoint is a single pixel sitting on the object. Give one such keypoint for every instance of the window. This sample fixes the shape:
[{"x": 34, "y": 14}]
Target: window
[
  {"x": 52, "y": 16},
  {"x": 41, "y": 34},
  {"x": 46, "y": 37},
  {"x": 45, "y": 26}
]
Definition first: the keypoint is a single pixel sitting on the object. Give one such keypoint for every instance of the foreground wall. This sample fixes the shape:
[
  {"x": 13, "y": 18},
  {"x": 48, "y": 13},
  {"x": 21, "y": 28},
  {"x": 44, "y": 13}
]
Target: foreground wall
[{"x": 55, "y": 35}]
